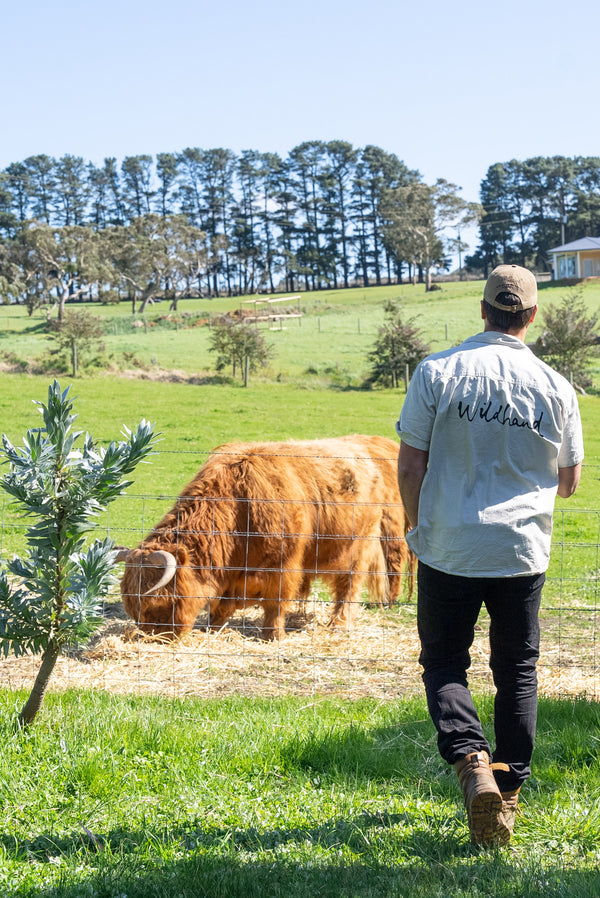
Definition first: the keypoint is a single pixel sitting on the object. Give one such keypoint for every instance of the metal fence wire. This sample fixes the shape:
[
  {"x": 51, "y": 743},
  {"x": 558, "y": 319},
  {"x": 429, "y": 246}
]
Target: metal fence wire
[{"x": 282, "y": 597}]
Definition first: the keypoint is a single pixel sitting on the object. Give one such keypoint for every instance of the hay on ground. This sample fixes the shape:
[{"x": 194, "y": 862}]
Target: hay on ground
[{"x": 377, "y": 656}]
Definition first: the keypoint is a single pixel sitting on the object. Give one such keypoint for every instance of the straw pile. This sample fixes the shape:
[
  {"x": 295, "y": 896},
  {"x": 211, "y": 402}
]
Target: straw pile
[{"x": 377, "y": 657}]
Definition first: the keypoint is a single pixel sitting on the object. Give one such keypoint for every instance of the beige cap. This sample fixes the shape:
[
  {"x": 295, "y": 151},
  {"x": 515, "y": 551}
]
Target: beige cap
[{"x": 511, "y": 279}]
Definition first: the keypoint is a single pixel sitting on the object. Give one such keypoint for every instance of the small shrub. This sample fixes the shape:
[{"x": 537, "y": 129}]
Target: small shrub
[
  {"x": 570, "y": 340},
  {"x": 397, "y": 346},
  {"x": 51, "y": 599}
]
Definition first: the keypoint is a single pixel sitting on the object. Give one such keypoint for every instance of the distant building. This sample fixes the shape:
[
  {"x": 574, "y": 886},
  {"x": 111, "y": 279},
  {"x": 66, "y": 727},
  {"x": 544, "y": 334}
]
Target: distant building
[{"x": 579, "y": 259}]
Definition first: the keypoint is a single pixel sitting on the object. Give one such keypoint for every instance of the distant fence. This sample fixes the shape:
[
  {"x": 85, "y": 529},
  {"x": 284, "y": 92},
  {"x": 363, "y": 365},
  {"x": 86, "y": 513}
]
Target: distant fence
[{"x": 373, "y": 650}]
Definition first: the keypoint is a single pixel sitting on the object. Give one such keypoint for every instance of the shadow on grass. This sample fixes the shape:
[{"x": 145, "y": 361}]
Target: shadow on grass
[
  {"x": 331, "y": 859},
  {"x": 248, "y": 863},
  {"x": 420, "y": 852}
]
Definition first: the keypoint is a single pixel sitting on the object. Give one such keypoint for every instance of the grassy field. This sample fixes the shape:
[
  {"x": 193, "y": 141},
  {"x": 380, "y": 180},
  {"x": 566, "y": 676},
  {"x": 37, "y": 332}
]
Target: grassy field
[
  {"x": 119, "y": 798},
  {"x": 112, "y": 795},
  {"x": 329, "y": 344},
  {"x": 312, "y": 389}
]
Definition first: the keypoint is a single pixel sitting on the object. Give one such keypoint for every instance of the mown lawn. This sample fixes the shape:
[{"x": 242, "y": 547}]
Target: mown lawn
[{"x": 129, "y": 798}]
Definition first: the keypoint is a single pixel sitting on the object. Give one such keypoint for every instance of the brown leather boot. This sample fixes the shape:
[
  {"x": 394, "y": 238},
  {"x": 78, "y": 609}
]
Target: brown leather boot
[
  {"x": 483, "y": 800},
  {"x": 510, "y": 809},
  {"x": 510, "y": 802}
]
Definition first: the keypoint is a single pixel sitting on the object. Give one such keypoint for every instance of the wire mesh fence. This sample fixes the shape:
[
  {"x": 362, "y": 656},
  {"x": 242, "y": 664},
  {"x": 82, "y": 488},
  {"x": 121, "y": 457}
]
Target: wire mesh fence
[{"x": 273, "y": 594}]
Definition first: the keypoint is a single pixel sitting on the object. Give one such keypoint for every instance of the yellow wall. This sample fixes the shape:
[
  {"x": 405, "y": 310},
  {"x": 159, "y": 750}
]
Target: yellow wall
[{"x": 594, "y": 256}]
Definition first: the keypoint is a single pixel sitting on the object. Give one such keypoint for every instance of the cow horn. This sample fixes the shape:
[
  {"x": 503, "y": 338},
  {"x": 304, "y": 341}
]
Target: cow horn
[{"x": 163, "y": 559}]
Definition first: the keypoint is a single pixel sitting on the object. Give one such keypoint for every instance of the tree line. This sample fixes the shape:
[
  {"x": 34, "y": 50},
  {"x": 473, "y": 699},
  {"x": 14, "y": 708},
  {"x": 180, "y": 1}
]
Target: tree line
[
  {"x": 327, "y": 215},
  {"x": 531, "y": 206},
  {"x": 210, "y": 222}
]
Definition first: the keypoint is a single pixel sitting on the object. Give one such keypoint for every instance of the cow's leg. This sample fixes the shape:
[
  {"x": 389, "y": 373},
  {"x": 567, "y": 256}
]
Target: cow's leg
[
  {"x": 278, "y": 594},
  {"x": 345, "y": 596},
  {"x": 354, "y": 567},
  {"x": 273, "y": 626},
  {"x": 396, "y": 552},
  {"x": 221, "y": 611}
]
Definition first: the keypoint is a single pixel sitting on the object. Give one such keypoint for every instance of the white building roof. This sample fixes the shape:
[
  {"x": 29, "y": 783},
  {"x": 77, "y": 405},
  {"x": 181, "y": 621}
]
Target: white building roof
[{"x": 577, "y": 245}]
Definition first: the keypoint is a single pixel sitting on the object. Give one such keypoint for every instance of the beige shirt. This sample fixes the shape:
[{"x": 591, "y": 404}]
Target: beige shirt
[{"x": 497, "y": 423}]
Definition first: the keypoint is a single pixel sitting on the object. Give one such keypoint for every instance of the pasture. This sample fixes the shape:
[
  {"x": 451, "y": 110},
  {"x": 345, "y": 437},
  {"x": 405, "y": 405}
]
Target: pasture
[{"x": 223, "y": 765}]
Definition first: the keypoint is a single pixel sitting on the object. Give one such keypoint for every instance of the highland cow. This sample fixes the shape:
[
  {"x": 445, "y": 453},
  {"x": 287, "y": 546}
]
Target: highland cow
[{"x": 261, "y": 521}]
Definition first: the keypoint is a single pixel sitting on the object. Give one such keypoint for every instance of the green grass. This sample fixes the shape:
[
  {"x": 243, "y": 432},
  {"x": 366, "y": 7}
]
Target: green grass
[
  {"x": 335, "y": 334},
  {"x": 109, "y": 796},
  {"x": 311, "y": 390}
]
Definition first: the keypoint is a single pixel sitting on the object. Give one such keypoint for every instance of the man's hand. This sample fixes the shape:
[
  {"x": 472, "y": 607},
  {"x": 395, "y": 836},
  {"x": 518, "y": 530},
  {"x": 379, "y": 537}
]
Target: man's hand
[{"x": 568, "y": 480}]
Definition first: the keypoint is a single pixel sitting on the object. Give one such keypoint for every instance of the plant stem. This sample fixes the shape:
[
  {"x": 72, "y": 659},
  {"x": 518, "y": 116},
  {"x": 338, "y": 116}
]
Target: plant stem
[{"x": 34, "y": 702}]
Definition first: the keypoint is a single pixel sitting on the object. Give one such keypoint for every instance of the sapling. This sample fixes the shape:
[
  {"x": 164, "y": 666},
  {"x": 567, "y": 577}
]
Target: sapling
[{"x": 52, "y": 600}]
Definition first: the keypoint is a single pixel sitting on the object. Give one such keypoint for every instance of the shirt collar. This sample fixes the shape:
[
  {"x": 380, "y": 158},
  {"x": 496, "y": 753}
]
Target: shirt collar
[{"x": 496, "y": 338}]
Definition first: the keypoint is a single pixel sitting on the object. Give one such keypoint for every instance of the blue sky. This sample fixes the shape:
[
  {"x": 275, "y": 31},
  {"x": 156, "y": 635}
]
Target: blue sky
[{"x": 450, "y": 88}]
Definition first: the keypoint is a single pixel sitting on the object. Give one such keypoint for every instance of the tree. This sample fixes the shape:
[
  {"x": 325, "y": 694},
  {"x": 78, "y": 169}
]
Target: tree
[
  {"x": 41, "y": 184},
  {"x": 570, "y": 339},
  {"x": 306, "y": 169},
  {"x": 166, "y": 169},
  {"x": 19, "y": 184},
  {"x": 153, "y": 256},
  {"x": 8, "y": 219},
  {"x": 239, "y": 344},
  {"x": 397, "y": 346},
  {"x": 585, "y": 218},
  {"x": 189, "y": 163},
  {"x": 378, "y": 179},
  {"x": 52, "y": 599},
  {"x": 72, "y": 189},
  {"x": 270, "y": 181},
  {"x": 534, "y": 204},
  {"x": 68, "y": 258},
  {"x": 245, "y": 245},
  {"x": 114, "y": 189},
  {"x": 27, "y": 276},
  {"x": 217, "y": 170},
  {"x": 496, "y": 225},
  {"x": 138, "y": 254},
  {"x": 342, "y": 160},
  {"x": 417, "y": 215},
  {"x": 75, "y": 335},
  {"x": 137, "y": 184}
]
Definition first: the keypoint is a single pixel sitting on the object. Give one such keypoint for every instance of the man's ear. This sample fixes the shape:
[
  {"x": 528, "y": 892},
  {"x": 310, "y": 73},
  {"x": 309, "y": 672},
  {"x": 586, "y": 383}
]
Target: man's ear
[{"x": 482, "y": 311}]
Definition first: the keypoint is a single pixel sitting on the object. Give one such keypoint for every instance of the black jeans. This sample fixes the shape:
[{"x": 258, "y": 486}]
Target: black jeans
[{"x": 448, "y": 608}]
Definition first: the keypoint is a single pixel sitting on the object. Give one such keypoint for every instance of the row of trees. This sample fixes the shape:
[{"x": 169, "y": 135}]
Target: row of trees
[
  {"x": 151, "y": 257},
  {"x": 533, "y": 205},
  {"x": 328, "y": 215}
]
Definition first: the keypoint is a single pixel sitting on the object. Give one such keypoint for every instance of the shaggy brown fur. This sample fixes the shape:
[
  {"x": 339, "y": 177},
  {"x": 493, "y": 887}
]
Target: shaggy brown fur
[
  {"x": 392, "y": 554},
  {"x": 259, "y": 522},
  {"x": 398, "y": 558}
]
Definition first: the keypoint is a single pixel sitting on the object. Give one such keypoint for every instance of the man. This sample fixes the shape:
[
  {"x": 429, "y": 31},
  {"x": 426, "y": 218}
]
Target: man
[{"x": 489, "y": 434}]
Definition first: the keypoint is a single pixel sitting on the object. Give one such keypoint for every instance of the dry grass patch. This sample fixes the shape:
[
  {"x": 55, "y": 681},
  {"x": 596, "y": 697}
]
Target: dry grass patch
[{"x": 376, "y": 657}]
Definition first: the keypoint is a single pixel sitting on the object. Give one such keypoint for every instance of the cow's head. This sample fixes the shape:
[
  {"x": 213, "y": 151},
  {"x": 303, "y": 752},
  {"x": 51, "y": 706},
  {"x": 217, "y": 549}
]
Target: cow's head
[{"x": 161, "y": 590}]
